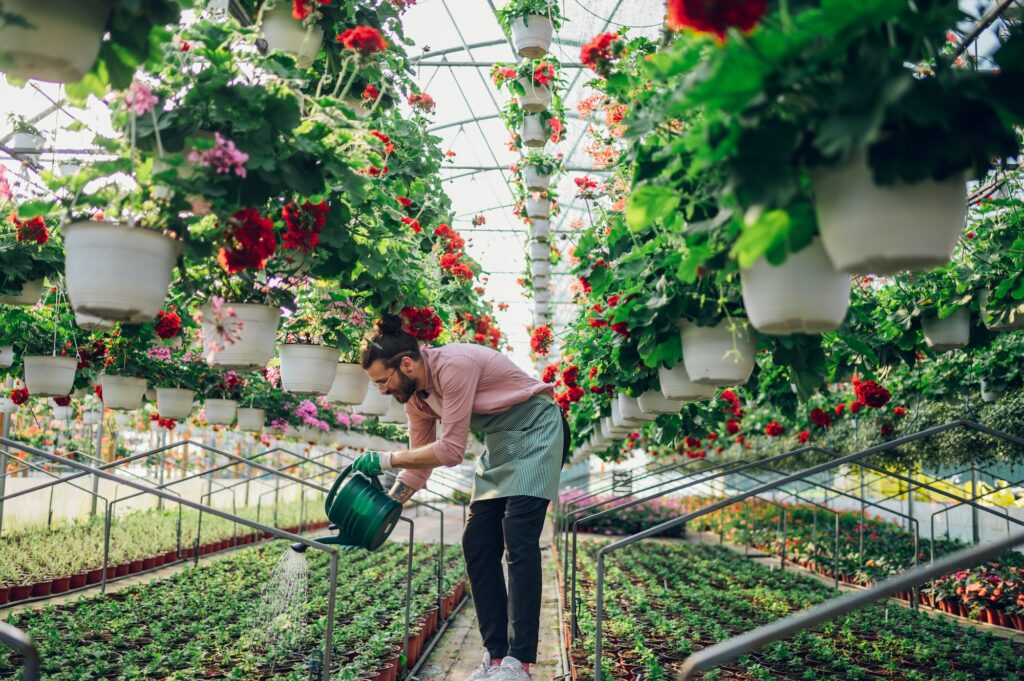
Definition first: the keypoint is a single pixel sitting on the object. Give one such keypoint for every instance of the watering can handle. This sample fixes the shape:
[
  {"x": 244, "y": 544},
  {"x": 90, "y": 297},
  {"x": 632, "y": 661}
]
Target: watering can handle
[{"x": 337, "y": 483}]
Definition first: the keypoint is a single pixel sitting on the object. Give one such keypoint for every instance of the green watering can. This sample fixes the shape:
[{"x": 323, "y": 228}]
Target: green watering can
[{"x": 360, "y": 510}]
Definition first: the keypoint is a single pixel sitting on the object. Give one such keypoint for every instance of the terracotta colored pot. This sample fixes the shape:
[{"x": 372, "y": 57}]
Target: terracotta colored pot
[
  {"x": 188, "y": 553},
  {"x": 136, "y": 566},
  {"x": 148, "y": 563},
  {"x": 5, "y": 594},
  {"x": 1003, "y": 620},
  {"x": 78, "y": 580},
  {"x": 124, "y": 569},
  {"x": 158, "y": 561},
  {"x": 42, "y": 588},
  {"x": 60, "y": 585},
  {"x": 1018, "y": 620},
  {"x": 204, "y": 549},
  {"x": 112, "y": 571},
  {"x": 170, "y": 557},
  {"x": 20, "y": 592},
  {"x": 94, "y": 576}
]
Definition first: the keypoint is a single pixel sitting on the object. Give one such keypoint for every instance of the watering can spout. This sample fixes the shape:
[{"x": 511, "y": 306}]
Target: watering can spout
[{"x": 299, "y": 547}]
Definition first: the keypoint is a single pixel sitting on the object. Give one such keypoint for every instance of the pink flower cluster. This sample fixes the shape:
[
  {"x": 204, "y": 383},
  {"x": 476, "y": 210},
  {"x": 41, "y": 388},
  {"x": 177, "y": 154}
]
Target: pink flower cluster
[
  {"x": 139, "y": 98},
  {"x": 160, "y": 353},
  {"x": 307, "y": 411},
  {"x": 225, "y": 157}
]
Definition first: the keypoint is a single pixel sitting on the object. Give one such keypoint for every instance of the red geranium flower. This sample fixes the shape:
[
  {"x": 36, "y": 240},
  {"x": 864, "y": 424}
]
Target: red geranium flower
[
  {"x": 168, "y": 323},
  {"x": 250, "y": 241},
  {"x": 872, "y": 394},
  {"x": 97, "y": 390},
  {"x": 365, "y": 40},
  {"x": 840, "y": 408},
  {"x": 820, "y": 418},
  {"x": 597, "y": 54},
  {"x": 303, "y": 225},
  {"x": 730, "y": 397},
  {"x": 712, "y": 436},
  {"x": 33, "y": 229},
  {"x": 413, "y": 224},
  {"x": 303, "y": 8},
  {"x": 692, "y": 442},
  {"x": 732, "y": 426},
  {"x": 621, "y": 329},
  {"x": 584, "y": 284},
  {"x": 389, "y": 146},
  {"x": 421, "y": 322},
  {"x": 62, "y": 400},
  {"x": 855, "y": 406},
  {"x": 899, "y": 411},
  {"x": 715, "y": 16},
  {"x": 405, "y": 201},
  {"x": 550, "y": 371},
  {"x": 544, "y": 73},
  {"x": 370, "y": 94},
  {"x": 570, "y": 375},
  {"x": 774, "y": 429},
  {"x": 19, "y": 395},
  {"x": 803, "y": 436},
  {"x": 422, "y": 101},
  {"x": 556, "y": 129},
  {"x": 541, "y": 339}
]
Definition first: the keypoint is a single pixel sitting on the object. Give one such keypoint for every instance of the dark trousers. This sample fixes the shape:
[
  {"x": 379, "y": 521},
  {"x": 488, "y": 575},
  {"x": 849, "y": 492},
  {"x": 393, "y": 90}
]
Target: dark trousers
[{"x": 509, "y": 618}]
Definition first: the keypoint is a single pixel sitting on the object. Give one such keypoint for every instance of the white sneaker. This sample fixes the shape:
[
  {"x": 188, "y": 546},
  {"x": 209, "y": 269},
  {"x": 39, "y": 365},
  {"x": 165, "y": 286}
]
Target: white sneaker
[
  {"x": 486, "y": 670},
  {"x": 512, "y": 670}
]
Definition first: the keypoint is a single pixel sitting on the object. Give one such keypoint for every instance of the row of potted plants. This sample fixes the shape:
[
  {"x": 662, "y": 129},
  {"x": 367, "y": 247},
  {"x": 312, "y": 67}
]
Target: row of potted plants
[
  {"x": 657, "y": 614},
  {"x": 216, "y": 619}
]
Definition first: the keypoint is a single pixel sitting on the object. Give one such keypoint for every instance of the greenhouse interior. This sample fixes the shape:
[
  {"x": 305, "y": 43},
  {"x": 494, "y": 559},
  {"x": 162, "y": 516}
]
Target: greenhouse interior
[{"x": 633, "y": 343}]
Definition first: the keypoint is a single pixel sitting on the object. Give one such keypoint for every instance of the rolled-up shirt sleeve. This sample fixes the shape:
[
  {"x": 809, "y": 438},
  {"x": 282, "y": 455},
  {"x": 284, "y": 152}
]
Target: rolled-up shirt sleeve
[{"x": 422, "y": 432}]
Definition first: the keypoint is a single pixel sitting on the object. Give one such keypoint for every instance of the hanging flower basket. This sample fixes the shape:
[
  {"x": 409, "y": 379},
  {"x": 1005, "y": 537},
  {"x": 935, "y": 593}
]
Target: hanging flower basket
[
  {"x": 7, "y": 406},
  {"x": 540, "y": 228},
  {"x": 612, "y": 432},
  {"x": 307, "y": 368},
  {"x": 60, "y": 43},
  {"x": 542, "y": 296},
  {"x": 122, "y": 392},
  {"x": 653, "y": 402},
  {"x": 599, "y": 442},
  {"x": 951, "y": 333},
  {"x": 6, "y": 356},
  {"x": 289, "y": 35},
  {"x": 375, "y": 403},
  {"x": 49, "y": 376},
  {"x": 531, "y": 34},
  {"x": 255, "y": 334},
  {"x": 250, "y": 419},
  {"x": 30, "y": 293},
  {"x": 174, "y": 403},
  {"x": 540, "y": 251},
  {"x": 541, "y": 281},
  {"x": 541, "y": 309},
  {"x": 720, "y": 355},
  {"x": 220, "y": 412},
  {"x": 91, "y": 323},
  {"x": 1015, "y": 324},
  {"x": 92, "y": 417},
  {"x": 536, "y": 97},
  {"x": 62, "y": 413},
  {"x": 350, "y": 386},
  {"x": 535, "y": 180},
  {"x": 805, "y": 294},
  {"x": 532, "y": 131},
  {"x": 868, "y": 228},
  {"x": 620, "y": 420},
  {"x": 676, "y": 385},
  {"x": 540, "y": 268},
  {"x": 538, "y": 208},
  {"x": 629, "y": 407},
  {"x": 118, "y": 273}
]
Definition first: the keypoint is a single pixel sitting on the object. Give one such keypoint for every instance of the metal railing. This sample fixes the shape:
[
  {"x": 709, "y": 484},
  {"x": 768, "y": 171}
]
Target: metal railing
[{"x": 18, "y": 640}]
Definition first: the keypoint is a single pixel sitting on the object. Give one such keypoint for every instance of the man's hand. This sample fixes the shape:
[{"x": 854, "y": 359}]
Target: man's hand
[{"x": 370, "y": 464}]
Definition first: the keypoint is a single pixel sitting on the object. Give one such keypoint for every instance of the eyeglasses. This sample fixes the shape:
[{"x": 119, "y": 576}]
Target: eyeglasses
[{"x": 383, "y": 383}]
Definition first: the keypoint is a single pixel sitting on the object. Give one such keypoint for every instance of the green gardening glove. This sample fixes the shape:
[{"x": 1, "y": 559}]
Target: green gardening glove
[{"x": 368, "y": 463}]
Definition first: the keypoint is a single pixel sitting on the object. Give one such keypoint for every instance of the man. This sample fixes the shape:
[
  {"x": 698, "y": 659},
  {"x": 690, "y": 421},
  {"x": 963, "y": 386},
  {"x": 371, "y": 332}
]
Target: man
[{"x": 526, "y": 440}]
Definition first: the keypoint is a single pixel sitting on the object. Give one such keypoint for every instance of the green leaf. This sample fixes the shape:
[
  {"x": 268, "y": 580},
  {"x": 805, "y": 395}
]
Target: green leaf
[
  {"x": 769, "y": 230},
  {"x": 649, "y": 203}
]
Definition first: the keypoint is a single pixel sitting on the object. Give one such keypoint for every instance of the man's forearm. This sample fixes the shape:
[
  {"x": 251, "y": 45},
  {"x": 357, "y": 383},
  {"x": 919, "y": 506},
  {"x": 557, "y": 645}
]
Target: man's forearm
[
  {"x": 416, "y": 459},
  {"x": 401, "y": 492}
]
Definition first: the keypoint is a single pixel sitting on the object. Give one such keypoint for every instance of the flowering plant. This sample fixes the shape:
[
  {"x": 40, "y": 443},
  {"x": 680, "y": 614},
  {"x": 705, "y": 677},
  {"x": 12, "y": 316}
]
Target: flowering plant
[
  {"x": 543, "y": 163},
  {"x": 538, "y": 72},
  {"x": 552, "y": 120},
  {"x": 514, "y": 9},
  {"x": 327, "y": 316},
  {"x": 29, "y": 249}
]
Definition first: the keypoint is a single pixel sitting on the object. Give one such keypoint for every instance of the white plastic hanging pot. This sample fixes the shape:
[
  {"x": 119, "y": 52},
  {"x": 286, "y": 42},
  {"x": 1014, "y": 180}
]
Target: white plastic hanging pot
[
  {"x": 540, "y": 250},
  {"x": 350, "y": 386},
  {"x": 29, "y": 295},
  {"x": 612, "y": 432},
  {"x": 868, "y": 228},
  {"x": 62, "y": 413},
  {"x": 27, "y": 144},
  {"x": 540, "y": 229},
  {"x": 92, "y": 417},
  {"x": 122, "y": 392},
  {"x": 118, "y": 273},
  {"x": 629, "y": 407},
  {"x": 6, "y": 356},
  {"x": 395, "y": 412},
  {"x": 951, "y": 333},
  {"x": 532, "y": 131},
  {"x": 720, "y": 355},
  {"x": 174, "y": 403},
  {"x": 540, "y": 268},
  {"x": 251, "y": 419},
  {"x": 151, "y": 395},
  {"x": 1015, "y": 322},
  {"x": 805, "y": 294},
  {"x": 989, "y": 394},
  {"x": 375, "y": 403},
  {"x": 256, "y": 336},
  {"x": 538, "y": 208},
  {"x": 289, "y": 35},
  {"x": 220, "y": 412},
  {"x": 541, "y": 281},
  {"x": 619, "y": 420},
  {"x": 542, "y": 296},
  {"x": 541, "y": 309},
  {"x": 91, "y": 323},
  {"x": 653, "y": 402},
  {"x": 48, "y": 376},
  {"x": 531, "y": 34},
  {"x": 7, "y": 406},
  {"x": 676, "y": 385},
  {"x": 534, "y": 179},
  {"x": 59, "y": 43},
  {"x": 307, "y": 368},
  {"x": 536, "y": 97},
  {"x": 599, "y": 442}
]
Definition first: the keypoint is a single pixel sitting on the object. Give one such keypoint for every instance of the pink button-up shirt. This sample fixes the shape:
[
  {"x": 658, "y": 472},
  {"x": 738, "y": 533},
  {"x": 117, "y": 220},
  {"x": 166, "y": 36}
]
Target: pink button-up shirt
[{"x": 467, "y": 379}]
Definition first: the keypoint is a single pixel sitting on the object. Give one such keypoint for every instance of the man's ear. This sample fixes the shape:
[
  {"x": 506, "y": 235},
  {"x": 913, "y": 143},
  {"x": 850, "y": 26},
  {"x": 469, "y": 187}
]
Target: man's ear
[{"x": 406, "y": 365}]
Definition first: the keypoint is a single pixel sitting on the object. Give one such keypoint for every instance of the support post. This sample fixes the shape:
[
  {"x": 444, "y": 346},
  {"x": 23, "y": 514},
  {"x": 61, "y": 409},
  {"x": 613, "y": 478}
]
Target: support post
[
  {"x": 96, "y": 478},
  {"x": 975, "y": 531}
]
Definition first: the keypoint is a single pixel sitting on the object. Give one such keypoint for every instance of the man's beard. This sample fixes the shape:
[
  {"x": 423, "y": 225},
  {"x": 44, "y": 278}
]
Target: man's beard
[{"x": 406, "y": 387}]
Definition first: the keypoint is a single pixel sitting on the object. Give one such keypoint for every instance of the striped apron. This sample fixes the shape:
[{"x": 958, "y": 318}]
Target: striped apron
[{"x": 523, "y": 448}]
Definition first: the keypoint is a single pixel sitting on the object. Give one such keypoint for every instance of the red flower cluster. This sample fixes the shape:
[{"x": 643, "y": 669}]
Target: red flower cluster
[
  {"x": 97, "y": 390},
  {"x": 389, "y": 146},
  {"x": 734, "y": 403},
  {"x": 569, "y": 396},
  {"x": 585, "y": 285},
  {"x": 715, "y": 16},
  {"x": 33, "y": 229},
  {"x": 404, "y": 201},
  {"x": 732, "y": 426},
  {"x": 62, "y": 400},
  {"x": 556, "y": 129},
  {"x": 374, "y": 171},
  {"x": 886, "y": 429},
  {"x": 19, "y": 395},
  {"x": 855, "y": 406},
  {"x": 621, "y": 328},
  {"x": 422, "y": 101},
  {"x": 421, "y": 322},
  {"x": 550, "y": 373},
  {"x": 451, "y": 262},
  {"x": 871, "y": 394},
  {"x": 365, "y": 40},
  {"x": 483, "y": 329},
  {"x": 169, "y": 424},
  {"x": 570, "y": 374},
  {"x": 453, "y": 240},
  {"x": 774, "y": 429},
  {"x": 597, "y": 55},
  {"x": 303, "y": 225},
  {"x": 501, "y": 74},
  {"x": 168, "y": 323},
  {"x": 412, "y": 224},
  {"x": 899, "y": 412},
  {"x": 544, "y": 73},
  {"x": 370, "y": 94},
  {"x": 820, "y": 418},
  {"x": 303, "y": 8},
  {"x": 541, "y": 339},
  {"x": 803, "y": 436},
  {"x": 586, "y": 184},
  {"x": 840, "y": 408},
  {"x": 250, "y": 241}
]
